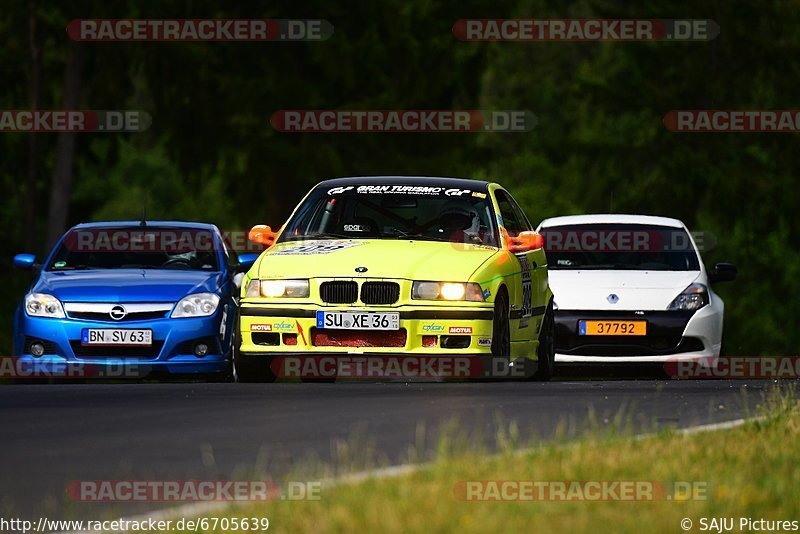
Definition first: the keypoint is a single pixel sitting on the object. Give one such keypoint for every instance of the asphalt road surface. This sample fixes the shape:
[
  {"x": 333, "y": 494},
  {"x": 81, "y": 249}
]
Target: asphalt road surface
[{"x": 54, "y": 434}]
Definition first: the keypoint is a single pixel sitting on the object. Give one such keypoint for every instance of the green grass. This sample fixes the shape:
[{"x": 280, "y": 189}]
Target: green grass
[{"x": 750, "y": 471}]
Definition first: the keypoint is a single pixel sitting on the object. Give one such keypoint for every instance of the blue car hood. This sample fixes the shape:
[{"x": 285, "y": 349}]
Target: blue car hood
[{"x": 126, "y": 285}]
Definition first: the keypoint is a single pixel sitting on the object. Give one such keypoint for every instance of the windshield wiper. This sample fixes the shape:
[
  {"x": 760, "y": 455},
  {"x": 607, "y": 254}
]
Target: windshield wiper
[{"x": 421, "y": 237}]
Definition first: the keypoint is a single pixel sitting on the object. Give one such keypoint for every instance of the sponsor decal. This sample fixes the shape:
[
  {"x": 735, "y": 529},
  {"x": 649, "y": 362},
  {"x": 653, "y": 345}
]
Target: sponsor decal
[
  {"x": 357, "y": 228},
  {"x": 339, "y": 190},
  {"x": 456, "y": 192},
  {"x": 321, "y": 247},
  {"x": 261, "y": 328},
  {"x": 460, "y": 330},
  {"x": 432, "y": 328},
  {"x": 406, "y": 190},
  {"x": 484, "y": 342}
]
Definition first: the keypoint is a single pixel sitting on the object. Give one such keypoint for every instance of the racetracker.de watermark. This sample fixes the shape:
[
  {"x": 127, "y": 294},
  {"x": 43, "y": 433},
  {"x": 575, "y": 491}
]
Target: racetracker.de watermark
[
  {"x": 612, "y": 240},
  {"x": 145, "y": 30},
  {"x": 535, "y": 30},
  {"x": 155, "y": 240},
  {"x": 733, "y": 121},
  {"x": 14, "y": 368},
  {"x": 579, "y": 490},
  {"x": 192, "y": 490},
  {"x": 401, "y": 367},
  {"x": 742, "y": 367},
  {"x": 405, "y": 121},
  {"x": 74, "y": 120}
]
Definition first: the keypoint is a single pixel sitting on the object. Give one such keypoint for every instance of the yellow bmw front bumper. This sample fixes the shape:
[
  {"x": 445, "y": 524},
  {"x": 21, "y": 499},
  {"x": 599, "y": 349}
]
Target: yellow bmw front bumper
[{"x": 457, "y": 329}]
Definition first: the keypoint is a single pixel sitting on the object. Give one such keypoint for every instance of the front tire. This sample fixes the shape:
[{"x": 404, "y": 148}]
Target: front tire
[
  {"x": 501, "y": 332},
  {"x": 547, "y": 346}
]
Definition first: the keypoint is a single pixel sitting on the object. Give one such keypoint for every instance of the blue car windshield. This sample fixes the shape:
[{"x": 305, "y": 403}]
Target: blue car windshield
[{"x": 137, "y": 248}]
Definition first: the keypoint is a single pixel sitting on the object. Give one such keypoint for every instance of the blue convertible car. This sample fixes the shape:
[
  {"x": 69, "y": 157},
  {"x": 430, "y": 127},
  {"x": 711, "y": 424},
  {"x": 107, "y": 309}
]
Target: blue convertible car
[{"x": 150, "y": 296}]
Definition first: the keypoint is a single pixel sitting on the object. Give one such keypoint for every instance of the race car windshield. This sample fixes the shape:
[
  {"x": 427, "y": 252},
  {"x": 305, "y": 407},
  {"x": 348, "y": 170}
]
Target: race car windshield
[
  {"x": 395, "y": 212},
  {"x": 620, "y": 247},
  {"x": 137, "y": 248}
]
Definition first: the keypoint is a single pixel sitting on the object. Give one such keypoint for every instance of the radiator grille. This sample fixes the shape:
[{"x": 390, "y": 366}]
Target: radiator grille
[
  {"x": 380, "y": 292},
  {"x": 339, "y": 292}
]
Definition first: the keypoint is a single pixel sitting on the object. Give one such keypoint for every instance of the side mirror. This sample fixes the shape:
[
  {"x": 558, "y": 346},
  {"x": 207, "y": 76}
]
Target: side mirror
[
  {"x": 524, "y": 242},
  {"x": 723, "y": 272},
  {"x": 24, "y": 261},
  {"x": 245, "y": 262},
  {"x": 263, "y": 235}
]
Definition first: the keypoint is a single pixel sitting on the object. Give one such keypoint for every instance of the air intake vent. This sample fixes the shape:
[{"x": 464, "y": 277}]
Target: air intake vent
[
  {"x": 339, "y": 292},
  {"x": 380, "y": 292}
]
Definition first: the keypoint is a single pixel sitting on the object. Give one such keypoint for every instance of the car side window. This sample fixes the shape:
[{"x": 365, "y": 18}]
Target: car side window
[
  {"x": 524, "y": 222},
  {"x": 511, "y": 216}
]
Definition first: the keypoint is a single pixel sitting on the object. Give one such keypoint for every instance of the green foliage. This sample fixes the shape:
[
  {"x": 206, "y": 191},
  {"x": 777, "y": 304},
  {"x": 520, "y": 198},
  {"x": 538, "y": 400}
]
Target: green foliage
[{"x": 599, "y": 145}]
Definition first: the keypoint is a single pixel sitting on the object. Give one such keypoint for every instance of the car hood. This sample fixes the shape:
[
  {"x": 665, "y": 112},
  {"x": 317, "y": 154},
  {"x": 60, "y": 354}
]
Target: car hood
[
  {"x": 126, "y": 285},
  {"x": 382, "y": 258},
  {"x": 635, "y": 290}
]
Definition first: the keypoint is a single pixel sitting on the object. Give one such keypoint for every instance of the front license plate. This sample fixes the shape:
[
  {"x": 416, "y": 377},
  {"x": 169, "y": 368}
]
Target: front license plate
[
  {"x": 358, "y": 320},
  {"x": 612, "y": 328},
  {"x": 116, "y": 337}
]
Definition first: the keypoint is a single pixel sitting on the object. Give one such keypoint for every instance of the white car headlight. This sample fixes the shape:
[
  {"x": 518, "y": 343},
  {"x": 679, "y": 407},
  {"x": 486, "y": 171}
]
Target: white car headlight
[
  {"x": 447, "y": 291},
  {"x": 197, "y": 305},
  {"x": 692, "y": 298},
  {"x": 278, "y": 288},
  {"x": 43, "y": 305}
]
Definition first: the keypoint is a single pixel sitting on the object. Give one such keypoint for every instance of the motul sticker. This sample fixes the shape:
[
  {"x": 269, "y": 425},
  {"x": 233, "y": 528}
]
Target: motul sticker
[
  {"x": 460, "y": 330},
  {"x": 261, "y": 328}
]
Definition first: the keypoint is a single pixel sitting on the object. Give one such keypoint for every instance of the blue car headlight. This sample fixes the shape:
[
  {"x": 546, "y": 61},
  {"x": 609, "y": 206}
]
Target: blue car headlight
[
  {"x": 197, "y": 305},
  {"x": 43, "y": 305}
]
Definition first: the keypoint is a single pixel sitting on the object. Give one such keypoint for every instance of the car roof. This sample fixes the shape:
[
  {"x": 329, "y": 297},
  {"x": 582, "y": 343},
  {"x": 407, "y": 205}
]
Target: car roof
[
  {"x": 429, "y": 181},
  {"x": 611, "y": 218},
  {"x": 155, "y": 224}
]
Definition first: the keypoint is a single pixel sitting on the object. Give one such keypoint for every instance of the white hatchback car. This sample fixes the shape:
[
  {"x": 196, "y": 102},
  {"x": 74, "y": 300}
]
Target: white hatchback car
[{"x": 632, "y": 288}]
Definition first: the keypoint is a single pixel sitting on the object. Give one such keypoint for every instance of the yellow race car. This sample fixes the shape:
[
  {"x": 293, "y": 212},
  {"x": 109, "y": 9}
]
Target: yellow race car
[{"x": 405, "y": 271}]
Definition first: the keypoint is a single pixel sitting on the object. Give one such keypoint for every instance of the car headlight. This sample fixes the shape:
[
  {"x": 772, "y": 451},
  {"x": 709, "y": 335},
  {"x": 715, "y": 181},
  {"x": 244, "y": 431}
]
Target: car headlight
[
  {"x": 43, "y": 305},
  {"x": 447, "y": 291},
  {"x": 253, "y": 288},
  {"x": 692, "y": 298},
  {"x": 197, "y": 305},
  {"x": 277, "y": 288}
]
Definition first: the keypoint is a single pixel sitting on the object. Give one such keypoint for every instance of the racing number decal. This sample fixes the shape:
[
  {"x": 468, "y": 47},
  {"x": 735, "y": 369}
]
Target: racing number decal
[{"x": 527, "y": 290}]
